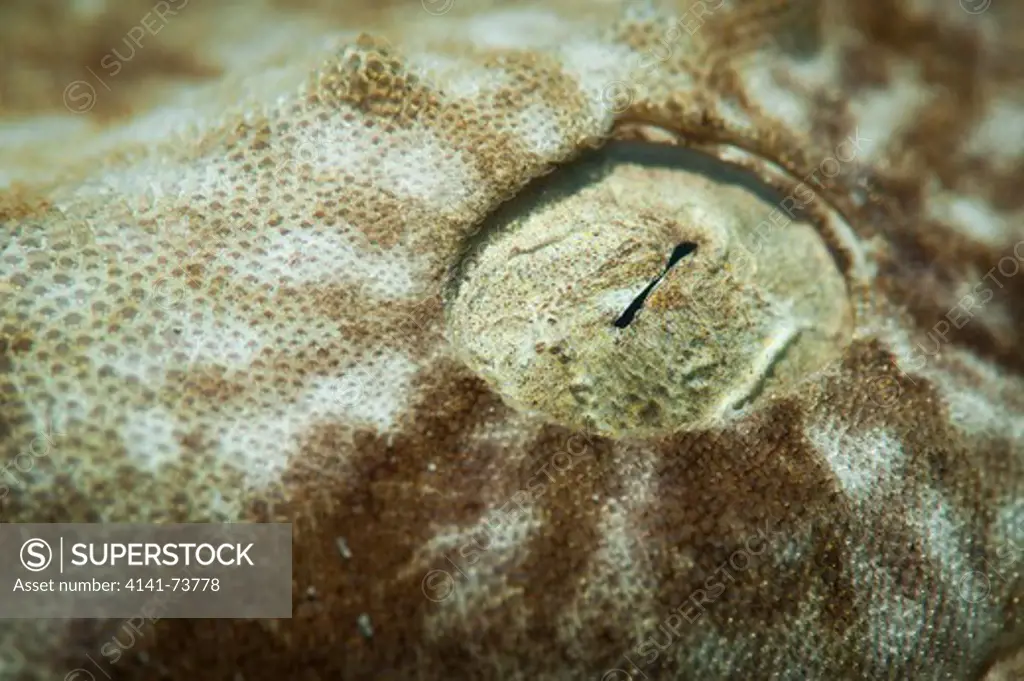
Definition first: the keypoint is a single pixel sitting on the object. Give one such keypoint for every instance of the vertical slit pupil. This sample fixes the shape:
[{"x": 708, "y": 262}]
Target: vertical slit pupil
[{"x": 678, "y": 253}]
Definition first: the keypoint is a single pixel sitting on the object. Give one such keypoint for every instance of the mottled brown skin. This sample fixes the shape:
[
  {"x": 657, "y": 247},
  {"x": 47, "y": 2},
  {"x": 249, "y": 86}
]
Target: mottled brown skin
[
  {"x": 633, "y": 528},
  {"x": 46, "y": 44}
]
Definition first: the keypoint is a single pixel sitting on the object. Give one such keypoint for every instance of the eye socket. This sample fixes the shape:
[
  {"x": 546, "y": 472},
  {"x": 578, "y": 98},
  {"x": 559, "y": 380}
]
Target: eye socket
[
  {"x": 678, "y": 253},
  {"x": 544, "y": 306}
]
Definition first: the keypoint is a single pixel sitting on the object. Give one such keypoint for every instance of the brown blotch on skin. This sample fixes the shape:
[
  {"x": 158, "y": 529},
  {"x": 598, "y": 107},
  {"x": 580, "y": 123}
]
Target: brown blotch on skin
[
  {"x": 938, "y": 305},
  {"x": 710, "y": 489},
  {"x": 947, "y": 54},
  {"x": 19, "y": 203},
  {"x": 556, "y": 558},
  {"x": 372, "y": 78},
  {"x": 1008, "y": 664},
  {"x": 49, "y": 45},
  {"x": 377, "y": 501}
]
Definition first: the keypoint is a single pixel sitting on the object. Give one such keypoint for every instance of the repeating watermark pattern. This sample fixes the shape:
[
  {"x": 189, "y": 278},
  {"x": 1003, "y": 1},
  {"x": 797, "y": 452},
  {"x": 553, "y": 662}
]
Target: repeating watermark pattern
[
  {"x": 619, "y": 95},
  {"x": 437, "y": 7},
  {"x": 802, "y": 196},
  {"x": 168, "y": 294},
  {"x": 885, "y": 391},
  {"x": 80, "y": 95},
  {"x": 976, "y": 584},
  {"x": 439, "y": 584},
  {"x": 975, "y": 6},
  {"x": 692, "y": 609},
  {"x": 13, "y": 473},
  {"x": 965, "y": 309},
  {"x": 131, "y": 632},
  {"x": 705, "y": 294}
]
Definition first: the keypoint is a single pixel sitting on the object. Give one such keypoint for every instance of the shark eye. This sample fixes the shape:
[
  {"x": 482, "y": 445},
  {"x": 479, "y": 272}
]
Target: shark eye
[{"x": 635, "y": 296}]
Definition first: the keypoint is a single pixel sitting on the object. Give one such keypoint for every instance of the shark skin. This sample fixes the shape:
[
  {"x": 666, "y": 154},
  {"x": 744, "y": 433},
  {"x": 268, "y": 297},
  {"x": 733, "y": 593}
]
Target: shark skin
[{"x": 231, "y": 292}]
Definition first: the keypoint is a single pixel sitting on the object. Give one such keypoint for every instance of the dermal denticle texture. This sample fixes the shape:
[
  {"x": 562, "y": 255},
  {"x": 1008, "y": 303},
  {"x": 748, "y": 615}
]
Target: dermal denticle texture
[{"x": 577, "y": 341}]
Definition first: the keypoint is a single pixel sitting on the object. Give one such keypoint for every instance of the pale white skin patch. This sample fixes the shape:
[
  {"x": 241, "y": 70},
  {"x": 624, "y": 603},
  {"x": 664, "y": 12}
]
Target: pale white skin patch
[
  {"x": 416, "y": 164},
  {"x": 881, "y": 114},
  {"x": 984, "y": 411},
  {"x": 594, "y": 66},
  {"x": 981, "y": 400},
  {"x": 517, "y": 29},
  {"x": 150, "y": 438},
  {"x": 896, "y": 623},
  {"x": 972, "y": 217},
  {"x": 623, "y": 558},
  {"x": 864, "y": 464},
  {"x": 330, "y": 258},
  {"x": 937, "y": 523},
  {"x": 372, "y": 394},
  {"x": 460, "y": 77},
  {"x": 539, "y": 129},
  {"x": 1009, "y": 530},
  {"x": 773, "y": 94},
  {"x": 185, "y": 347},
  {"x": 375, "y": 392},
  {"x": 452, "y": 560},
  {"x": 993, "y": 137}
]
